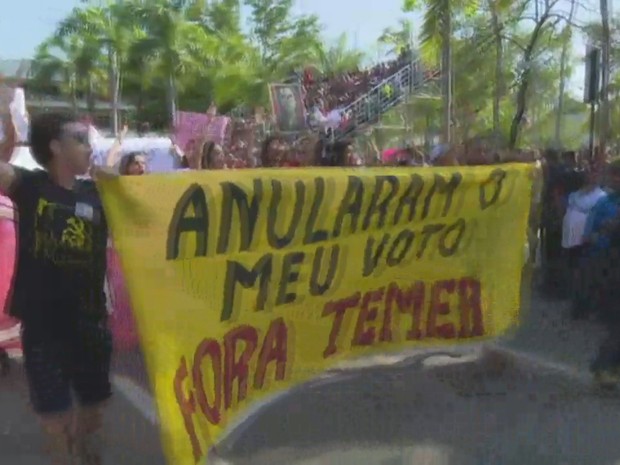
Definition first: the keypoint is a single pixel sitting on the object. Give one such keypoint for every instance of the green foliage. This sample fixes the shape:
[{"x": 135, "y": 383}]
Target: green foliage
[{"x": 192, "y": 53}]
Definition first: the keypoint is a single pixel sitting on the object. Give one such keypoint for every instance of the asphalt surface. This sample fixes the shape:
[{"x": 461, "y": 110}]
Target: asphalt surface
[
  {"x": 132, "y": 438},
  {"x": 529, "y": 405}
]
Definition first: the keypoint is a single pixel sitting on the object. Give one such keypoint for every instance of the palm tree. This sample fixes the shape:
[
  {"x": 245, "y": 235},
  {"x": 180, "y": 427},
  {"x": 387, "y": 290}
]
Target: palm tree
[
  {"x": 111, "y": 30},
  {"x": 436, "y": 36},
  {"x": 337, "y": 58},
  {"x": 399, "y": 39},
  {"x": 77, "y": 59},
  {"x": 173, "y": 44}
]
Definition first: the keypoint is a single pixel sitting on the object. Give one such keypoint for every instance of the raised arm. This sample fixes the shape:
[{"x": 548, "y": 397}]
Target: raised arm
[
  {"x": 115, "y": 152},
  {"x": 108, "y": 170}
]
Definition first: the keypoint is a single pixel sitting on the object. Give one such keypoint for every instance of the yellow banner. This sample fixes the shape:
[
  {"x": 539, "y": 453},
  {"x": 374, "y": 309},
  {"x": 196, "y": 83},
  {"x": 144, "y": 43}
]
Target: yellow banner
[{"x": 245, "y": 283}]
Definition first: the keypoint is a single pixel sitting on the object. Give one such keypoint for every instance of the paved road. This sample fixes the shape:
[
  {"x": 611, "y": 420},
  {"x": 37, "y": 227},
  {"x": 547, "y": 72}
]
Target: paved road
[
  {"x": 133, "y": 438},
  {"x": 468, "y": 413},
  {"x": 479, "y": 409}
]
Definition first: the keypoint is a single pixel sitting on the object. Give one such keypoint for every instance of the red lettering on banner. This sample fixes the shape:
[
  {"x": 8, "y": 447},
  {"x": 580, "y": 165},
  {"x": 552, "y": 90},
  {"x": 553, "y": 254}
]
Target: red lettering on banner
[
  {"x": 364, "y": 336},
  {"x": 238, "y": 367},
  {"x": 425, "y": 303},
  {"x": 470, "y": 308},
  {"x": 439, "y": 306},
  {"x": 187, "y": 405},
  {"x": 339, "y": 308},
  {"x": 230, "y": 363},
  {"x": 208, "y": 348},
  {"x": 275, "y": 348},
  {"x": 409, "y": 301}
]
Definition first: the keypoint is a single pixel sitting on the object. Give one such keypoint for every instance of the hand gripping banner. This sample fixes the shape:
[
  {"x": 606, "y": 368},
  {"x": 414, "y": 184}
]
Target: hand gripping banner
[{"x": 246, "y": 283}]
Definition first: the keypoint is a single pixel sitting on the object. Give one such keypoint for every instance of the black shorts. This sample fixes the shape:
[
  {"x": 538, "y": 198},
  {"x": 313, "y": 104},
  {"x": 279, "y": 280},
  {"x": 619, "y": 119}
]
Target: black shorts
[{"x": 61, "y": 363}]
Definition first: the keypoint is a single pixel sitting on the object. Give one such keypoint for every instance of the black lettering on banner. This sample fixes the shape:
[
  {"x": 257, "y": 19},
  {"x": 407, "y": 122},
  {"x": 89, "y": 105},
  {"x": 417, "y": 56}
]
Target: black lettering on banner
[
  {"x": 312, "y": 235},
  {"x": 440, "y": 186},
  {"x": 409, "y": 198},
  {"x": 405, "y": 241},
  {"x": 496, "y": 179},
  {"x": 248, "y": 214},
  {"x": 380, "y": 207},
  {"x": 317, "y": 288},
  {"x": 351, "y": 205},
  {"x": 275, "y": 211},
  {"x": 182, "y": 223},
  {"x": 371, "y": 259},
  {"x": 236, "y": 273},
  {"x": 447, "y": 249},
  {"x": 290, "y": 275},
  {"x": 428, "y": 231}
]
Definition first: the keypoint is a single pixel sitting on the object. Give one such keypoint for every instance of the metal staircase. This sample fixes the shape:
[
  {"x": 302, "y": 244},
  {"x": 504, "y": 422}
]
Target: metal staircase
[{"x": 410, "y": 80}]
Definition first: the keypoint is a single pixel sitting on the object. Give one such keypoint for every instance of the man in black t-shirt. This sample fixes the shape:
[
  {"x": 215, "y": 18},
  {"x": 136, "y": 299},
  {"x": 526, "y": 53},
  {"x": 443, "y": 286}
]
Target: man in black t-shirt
[{"x": 59, "y": 285}]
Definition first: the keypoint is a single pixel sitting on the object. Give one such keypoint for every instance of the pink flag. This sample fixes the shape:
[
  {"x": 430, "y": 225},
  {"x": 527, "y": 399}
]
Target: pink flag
[
  {"x": 9, "y": 328},
  {"x": 193, "y": 126},
  {"x": 122, "y": 323}
]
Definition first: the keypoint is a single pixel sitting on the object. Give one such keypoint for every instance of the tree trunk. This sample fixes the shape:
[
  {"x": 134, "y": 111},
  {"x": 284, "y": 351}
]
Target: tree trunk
[
  {"x": 499, "y": 66},
  {"x": 172, "y": 100},
  {"x": 114, "y": 83},
  {"x": 74, "y": 98},
  {"x": 446, "y": 73},
  {"x": 90, "y": 96},
  {"x": 563, "y": 59},
  {"x": 559, "y": 116},
  {"x": 605, "y": 52},
  {"x": 524, "y": 84}
]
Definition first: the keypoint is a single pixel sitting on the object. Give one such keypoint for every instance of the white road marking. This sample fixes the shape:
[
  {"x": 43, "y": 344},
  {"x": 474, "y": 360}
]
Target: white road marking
[{"x": 138, "y": 397}]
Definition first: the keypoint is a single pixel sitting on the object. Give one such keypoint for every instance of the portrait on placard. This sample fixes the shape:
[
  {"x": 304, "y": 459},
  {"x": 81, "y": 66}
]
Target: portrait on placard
[{"x": 288, "y": 107}]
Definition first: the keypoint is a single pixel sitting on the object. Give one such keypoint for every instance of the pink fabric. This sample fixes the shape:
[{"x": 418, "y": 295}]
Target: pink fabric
[
  {"x": 122, "y": 323},
  {"x": 193, "y": 126},
  {"x": 9, "y": 327},
  {"x": 389, "y": 154}
]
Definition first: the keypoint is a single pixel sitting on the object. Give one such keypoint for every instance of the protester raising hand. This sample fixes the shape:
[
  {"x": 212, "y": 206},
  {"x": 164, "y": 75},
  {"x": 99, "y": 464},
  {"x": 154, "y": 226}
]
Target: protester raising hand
[{"x": 115, "y": 152}]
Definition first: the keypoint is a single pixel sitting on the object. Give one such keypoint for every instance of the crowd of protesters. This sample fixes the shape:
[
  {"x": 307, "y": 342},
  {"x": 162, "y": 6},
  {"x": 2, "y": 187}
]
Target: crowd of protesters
[
  {"x": 333, "y": 92},
  {"x": 580, "y": 232}
]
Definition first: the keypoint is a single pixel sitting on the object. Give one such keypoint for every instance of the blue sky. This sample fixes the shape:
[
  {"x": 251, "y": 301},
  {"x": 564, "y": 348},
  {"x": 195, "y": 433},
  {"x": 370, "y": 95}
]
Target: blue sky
[{"x": 25, "y": 23}]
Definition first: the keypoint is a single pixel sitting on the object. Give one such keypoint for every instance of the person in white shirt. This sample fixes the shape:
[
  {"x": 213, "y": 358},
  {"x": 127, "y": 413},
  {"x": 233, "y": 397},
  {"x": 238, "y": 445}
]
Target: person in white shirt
[{"x": 578, "y": 207}]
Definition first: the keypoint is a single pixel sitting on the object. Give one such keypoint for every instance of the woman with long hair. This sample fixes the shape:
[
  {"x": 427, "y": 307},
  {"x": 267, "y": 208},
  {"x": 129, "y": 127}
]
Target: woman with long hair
[
  {"x": 274, "y": 151},
  {"x": 205, "y": 156},
  {"x": 133, "y": 164}
]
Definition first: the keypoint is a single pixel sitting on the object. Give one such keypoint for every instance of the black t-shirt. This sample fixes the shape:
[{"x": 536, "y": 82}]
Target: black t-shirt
[{"x": 62, "y": 252}]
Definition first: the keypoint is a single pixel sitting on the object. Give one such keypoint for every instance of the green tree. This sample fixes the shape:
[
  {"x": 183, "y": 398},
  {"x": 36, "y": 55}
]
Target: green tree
[
  {"x": 110, "y": 31},
  {"x": 337, "y": 58},
  {"x": 172, "y": 43}
]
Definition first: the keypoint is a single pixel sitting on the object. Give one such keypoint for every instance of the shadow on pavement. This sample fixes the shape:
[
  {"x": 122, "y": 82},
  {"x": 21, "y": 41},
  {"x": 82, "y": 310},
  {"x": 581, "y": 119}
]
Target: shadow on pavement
[{"x": 494, "y": 409}]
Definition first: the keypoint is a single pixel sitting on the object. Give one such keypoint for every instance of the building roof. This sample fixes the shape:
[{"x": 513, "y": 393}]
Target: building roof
[{"x": 53, "y": 103}]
